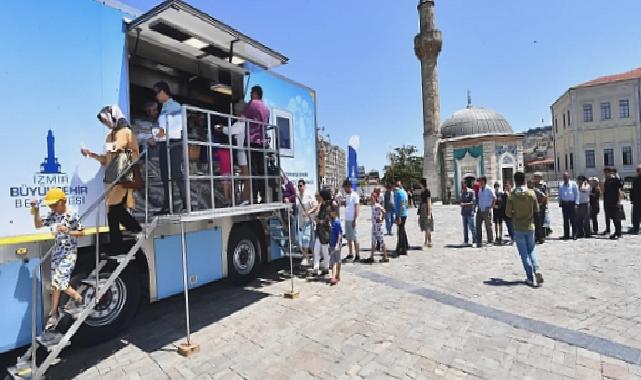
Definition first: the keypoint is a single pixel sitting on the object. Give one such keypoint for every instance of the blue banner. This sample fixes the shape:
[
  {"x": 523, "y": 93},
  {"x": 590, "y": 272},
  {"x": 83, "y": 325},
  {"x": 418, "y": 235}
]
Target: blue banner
[{"x": 352, "y": 166}]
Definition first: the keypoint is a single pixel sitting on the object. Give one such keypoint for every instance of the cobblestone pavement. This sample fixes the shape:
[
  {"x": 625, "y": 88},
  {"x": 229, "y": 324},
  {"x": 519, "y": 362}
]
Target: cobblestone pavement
[{"x": 442, "y": 312}]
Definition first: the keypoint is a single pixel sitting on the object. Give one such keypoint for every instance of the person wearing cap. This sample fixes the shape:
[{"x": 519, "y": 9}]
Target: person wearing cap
[
  {"x": 595, "y": 207},
  {"x": 582, "y": 212},
  {"x": 67, "y": 228}
]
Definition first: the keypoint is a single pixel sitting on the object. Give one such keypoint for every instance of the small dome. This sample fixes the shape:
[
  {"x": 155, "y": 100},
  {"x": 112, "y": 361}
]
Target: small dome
[{"x": 473, "y": 121}]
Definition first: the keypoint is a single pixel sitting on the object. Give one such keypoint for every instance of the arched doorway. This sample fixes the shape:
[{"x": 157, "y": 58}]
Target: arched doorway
[{"x": 507, "y": 164}]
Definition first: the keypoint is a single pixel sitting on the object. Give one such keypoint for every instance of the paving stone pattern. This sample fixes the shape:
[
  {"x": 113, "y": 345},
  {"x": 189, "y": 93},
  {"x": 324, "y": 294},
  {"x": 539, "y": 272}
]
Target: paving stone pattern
[{"x": 438, "y": 313}]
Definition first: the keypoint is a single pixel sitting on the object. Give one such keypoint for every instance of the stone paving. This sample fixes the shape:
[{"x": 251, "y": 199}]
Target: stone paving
[{"x": 438, "y": 313}]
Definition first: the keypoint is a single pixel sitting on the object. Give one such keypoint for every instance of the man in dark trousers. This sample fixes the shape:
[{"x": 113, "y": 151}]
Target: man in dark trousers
[
  {"x": 568, "y": 199},
  {"x": 611, "y": 189},
  {"x": 635, "y": 197}
]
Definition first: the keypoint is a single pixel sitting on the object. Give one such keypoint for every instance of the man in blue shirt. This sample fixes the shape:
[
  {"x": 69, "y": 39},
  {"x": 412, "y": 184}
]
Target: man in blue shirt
[
  {"x": 486, "y": 199},
  {"x": 568, "y": 200},
  {"x": 170, "y": 108},
  {"x": 400, "y": 201}
]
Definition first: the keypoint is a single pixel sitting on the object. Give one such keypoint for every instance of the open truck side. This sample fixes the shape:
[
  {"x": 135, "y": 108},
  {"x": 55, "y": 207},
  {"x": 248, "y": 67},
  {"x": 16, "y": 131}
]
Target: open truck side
[{"x": 57, "y": 76}]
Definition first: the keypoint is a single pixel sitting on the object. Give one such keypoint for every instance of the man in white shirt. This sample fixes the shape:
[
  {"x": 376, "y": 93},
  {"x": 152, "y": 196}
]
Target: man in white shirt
[
  {"x": 306, "y": 205},
  {"x": 351, "y": 215},
  {"x": 582, "y": 212}
]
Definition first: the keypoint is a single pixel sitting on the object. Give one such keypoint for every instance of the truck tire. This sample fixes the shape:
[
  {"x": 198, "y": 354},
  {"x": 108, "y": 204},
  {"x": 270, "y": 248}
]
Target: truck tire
[
  {"x": 244, "y": 255},
  {"x": 115, "y": 311}
]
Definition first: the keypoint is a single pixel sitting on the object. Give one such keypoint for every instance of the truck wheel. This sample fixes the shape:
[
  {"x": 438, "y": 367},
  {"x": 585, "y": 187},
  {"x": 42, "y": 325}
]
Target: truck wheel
[
  {"x": 243, "y": 255},
  {"x": 113, "y": 313}
]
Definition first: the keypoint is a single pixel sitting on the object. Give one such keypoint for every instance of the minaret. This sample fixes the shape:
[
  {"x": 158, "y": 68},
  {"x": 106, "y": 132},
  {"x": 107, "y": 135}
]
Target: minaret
[
  {"x": 427, "y": 46},
  {"x": 50, "y": 165}
]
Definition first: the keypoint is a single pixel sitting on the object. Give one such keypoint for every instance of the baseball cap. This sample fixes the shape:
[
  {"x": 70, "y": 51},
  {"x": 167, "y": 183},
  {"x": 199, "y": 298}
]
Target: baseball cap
[{"x": 53, "y": 196}]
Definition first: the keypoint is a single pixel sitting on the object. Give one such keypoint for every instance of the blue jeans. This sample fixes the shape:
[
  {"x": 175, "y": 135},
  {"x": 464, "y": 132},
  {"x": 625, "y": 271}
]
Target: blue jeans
[
  {"x": 510, "y": 227},
  {"x": 390, "y": 218},
  {"x": 468, "y": 224},
  {"x": 525, "y": 244}
]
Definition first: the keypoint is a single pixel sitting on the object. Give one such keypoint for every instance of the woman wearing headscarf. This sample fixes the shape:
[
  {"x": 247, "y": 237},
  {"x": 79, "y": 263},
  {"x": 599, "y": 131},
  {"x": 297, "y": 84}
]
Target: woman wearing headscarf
[{"x": 119, "y": 138}]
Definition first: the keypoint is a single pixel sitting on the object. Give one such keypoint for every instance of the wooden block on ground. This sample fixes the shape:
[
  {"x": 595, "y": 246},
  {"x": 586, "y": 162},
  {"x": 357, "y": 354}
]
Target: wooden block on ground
[
  {"x": 186, "y": 349},
  {"x": 292, "y": 295}
]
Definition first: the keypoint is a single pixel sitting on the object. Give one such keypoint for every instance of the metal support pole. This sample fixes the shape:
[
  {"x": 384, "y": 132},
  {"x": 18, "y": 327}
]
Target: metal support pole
[
  {"x": 146, "y": 189},
  {"x": 98, "y": 248},
  {"x": 186, "y": 174},
  {"x": 231, "y": 157},
  {"x": 34, "y": 321},
  {"x": 188, "y": 348},
  {"x": 292, "y": 293},
  {"x": 210, "y": 157},
  {"x": 170, "y": 180},
  {"x": 185, "y": 279}
]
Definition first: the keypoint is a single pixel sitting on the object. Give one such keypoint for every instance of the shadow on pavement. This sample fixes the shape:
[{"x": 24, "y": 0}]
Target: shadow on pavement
[
  {"x": 162, "y": 323},
  {"x": 458, "y": 246},
  {"x": 501, "y": 282}
]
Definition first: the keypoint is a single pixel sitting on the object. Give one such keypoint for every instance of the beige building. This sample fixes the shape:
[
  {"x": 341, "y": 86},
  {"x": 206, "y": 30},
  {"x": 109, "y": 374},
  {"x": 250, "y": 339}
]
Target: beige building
[
  {"x": 597, "y": 124},
  {"x": 332, "y": 164}
]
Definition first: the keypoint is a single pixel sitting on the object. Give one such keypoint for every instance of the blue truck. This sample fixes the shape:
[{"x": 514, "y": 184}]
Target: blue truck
[{"x": 63, "y": 61}]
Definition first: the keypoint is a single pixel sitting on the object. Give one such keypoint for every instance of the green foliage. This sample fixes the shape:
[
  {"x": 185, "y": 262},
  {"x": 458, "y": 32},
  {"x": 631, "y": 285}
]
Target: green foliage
[{"x": 405, "y": 165}]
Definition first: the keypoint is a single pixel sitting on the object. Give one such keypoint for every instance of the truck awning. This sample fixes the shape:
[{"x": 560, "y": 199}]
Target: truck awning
[{"x": 187, "y": 30}]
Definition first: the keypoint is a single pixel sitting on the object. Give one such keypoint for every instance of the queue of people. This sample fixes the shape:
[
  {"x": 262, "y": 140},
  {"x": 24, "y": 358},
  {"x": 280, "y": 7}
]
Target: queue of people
[{"x": 320, "y": 233}]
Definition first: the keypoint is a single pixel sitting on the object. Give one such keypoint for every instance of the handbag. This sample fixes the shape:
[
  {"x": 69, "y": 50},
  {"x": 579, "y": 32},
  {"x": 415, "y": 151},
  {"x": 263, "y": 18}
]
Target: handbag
[
  {"x": 137, "y": 182},
  {"x": 116, "y": 168}
]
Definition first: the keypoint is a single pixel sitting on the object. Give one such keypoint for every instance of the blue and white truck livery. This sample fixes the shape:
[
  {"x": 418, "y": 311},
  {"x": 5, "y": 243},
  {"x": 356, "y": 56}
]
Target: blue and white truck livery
[{"x": 62, "y": 61}]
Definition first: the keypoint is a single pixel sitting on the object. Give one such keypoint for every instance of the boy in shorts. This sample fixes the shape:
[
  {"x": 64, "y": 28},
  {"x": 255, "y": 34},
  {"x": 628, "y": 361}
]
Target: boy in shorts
[
  {"x": 378, "y": 215},
  {"x": 335, "y": 245},
  {"x": 67, "y": 228}
]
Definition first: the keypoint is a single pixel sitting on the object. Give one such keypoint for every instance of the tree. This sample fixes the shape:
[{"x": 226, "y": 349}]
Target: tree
[{"x": 404, "y": 165}]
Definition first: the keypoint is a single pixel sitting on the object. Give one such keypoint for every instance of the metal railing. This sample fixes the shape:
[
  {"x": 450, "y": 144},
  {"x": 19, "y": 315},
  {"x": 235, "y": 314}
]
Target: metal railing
[
  {"x": 203, "y": 144},
  {"x": 34, "y": 293}
]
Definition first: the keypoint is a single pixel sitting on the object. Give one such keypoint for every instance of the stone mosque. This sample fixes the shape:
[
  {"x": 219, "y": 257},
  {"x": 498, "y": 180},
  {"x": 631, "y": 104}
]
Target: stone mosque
[{"x": 473, "y": 142}]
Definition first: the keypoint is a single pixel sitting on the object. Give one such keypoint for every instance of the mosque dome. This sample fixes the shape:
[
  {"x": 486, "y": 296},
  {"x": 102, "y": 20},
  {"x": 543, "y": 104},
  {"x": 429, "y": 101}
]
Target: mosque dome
[{"x": 475, "y": 121}]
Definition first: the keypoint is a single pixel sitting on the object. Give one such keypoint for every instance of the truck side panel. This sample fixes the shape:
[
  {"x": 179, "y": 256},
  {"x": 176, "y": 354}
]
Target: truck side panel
[
  {"x": 204, "y": 261},
  {"x": 67, "y": 59},
  {"x": 15, "y": 320}
]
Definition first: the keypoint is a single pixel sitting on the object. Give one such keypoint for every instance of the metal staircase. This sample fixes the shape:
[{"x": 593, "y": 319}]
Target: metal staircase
[
  {"x": 27, "y": 367},
  {"x": 24, "y": 368}
]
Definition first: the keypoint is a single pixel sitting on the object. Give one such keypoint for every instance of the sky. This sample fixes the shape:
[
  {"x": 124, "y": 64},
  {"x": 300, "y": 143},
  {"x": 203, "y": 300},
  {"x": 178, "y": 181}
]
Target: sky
[{"x": 515, "y": 56}]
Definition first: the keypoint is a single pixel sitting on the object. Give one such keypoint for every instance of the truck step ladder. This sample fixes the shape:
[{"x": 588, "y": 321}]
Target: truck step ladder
[{"x": 55, "y": 344}]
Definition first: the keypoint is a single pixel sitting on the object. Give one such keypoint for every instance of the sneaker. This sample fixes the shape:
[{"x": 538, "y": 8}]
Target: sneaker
[
  {"x": 368, "y": 261},
  {"x": 384, "y": 260},
  {"x": 349, "y": 257},
  {"x": 245, "y": 203},
  {"x": 530, "y": 283},
  {"x": 539, "y": 278},
  {"x": 52, "y": 322},
  {"x": 304, "y": 262},
  {"x": 614, "y": 237},
  {"x": 357, "y": 259}
]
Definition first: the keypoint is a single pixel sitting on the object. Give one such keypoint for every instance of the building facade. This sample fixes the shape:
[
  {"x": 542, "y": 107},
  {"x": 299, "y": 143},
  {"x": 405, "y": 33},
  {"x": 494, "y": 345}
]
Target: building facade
[
  {"x": 332, "y": 162},
  {"x": 478, "y": 142},
  {"x": 598, "y": 124}
]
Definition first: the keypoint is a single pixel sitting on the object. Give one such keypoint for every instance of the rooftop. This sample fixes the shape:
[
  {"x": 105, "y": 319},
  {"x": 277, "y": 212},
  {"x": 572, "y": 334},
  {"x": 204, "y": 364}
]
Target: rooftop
[{"x": 632, "y": 74}]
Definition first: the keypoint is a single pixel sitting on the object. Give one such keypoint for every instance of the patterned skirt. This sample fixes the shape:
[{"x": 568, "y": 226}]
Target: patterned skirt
[{"x": 425, "y": 221}]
